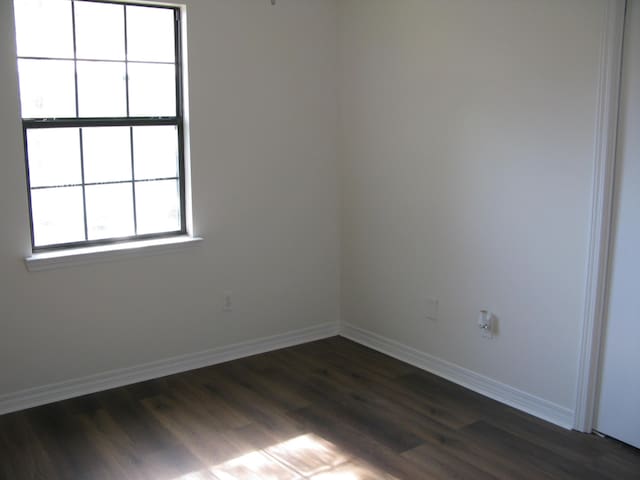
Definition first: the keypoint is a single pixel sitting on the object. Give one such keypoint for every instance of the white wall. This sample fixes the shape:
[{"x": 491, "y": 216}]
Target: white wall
[
  {"x": 464, "y": 149},
  {"x": 467, "y": 147},
  {"x": 265, "y": 190}
]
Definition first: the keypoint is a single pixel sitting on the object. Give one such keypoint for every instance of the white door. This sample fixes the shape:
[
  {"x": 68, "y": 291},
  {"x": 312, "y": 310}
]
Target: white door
[{"x": 619, "y": 408}]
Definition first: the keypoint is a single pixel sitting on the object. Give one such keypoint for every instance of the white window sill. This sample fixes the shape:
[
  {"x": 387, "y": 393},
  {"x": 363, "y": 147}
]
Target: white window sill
[{"x": 107, "y": 253}]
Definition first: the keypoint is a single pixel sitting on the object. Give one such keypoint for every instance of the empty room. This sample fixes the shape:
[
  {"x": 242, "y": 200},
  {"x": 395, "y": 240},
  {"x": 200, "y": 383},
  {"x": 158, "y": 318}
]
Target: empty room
[{"x": 319, "y": 239}]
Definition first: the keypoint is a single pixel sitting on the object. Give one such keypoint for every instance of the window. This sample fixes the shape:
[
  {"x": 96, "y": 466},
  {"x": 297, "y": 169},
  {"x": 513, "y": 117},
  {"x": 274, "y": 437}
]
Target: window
[{"x": 101, "y": 97}]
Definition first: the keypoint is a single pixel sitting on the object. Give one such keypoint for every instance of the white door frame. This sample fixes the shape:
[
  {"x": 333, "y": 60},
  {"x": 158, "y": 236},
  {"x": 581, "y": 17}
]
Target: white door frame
[{"x": 601, "y": 214}]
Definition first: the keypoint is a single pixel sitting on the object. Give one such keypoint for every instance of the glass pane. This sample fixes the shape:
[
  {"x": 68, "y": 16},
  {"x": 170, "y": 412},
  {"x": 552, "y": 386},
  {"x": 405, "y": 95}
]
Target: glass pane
[
  {"x": 155, "y": 152},
  {"x": 152, "y": 90},
  {"x": 57, "y": 215},
  {"x": 109, "y": 211},
  {"x": 158, "y": 206},
  {"x": 101, "y": 89},
  {"x": 44, "y": 28},
  {"x": 54, "y": 156},
  {"x": 150, "y": 34},
  {"x": 99, "y": 31},
  {"x": 47, "y": 88},
  {"x": 107, "y": 154}
]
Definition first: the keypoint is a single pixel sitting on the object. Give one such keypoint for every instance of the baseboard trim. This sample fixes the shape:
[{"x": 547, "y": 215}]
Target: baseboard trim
[
  {"x": 486, "y": 386},
  {"x": 33, "y": 397},
  {"x": 503, "y": 393}
]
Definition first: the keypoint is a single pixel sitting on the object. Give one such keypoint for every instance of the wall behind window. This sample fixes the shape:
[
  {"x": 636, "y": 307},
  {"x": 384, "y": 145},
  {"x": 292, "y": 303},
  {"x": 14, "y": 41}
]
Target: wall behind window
[
  {"x": 265, "y": 194},
  {"x": 467, "y": 137},
  {"x": 465, "y": 152}
]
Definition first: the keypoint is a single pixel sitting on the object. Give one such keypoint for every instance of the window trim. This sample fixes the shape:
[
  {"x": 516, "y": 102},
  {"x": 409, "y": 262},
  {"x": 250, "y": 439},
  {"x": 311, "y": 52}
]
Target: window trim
[
  {"x": 51, "y": 260},
  {"x": 80, "y": 122}
]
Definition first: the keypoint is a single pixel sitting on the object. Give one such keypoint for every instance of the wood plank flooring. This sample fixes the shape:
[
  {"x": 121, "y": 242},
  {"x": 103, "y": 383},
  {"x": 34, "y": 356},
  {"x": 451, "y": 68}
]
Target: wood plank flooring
[{"x": 327, "y": 410}]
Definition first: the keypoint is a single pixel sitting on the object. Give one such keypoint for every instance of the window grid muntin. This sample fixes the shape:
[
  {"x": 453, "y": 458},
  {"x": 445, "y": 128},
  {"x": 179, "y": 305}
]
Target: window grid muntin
[
  {"x": 109, "y": 60},
  {"x": 126, "y": 86},
  {"x": 110, "y": 182},
  {"x": 81, "y": 122}
]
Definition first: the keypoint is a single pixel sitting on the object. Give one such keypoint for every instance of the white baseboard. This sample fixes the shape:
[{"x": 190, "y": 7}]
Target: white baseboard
[
  {"x": 117, "y": 378},
  {"x": 501, "y": 392}
]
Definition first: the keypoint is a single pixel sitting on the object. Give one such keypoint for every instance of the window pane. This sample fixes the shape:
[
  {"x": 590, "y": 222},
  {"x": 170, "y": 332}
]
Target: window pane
[
  {"x": 54, "y": 156},
  {"x": 107, "y": 154},
  {"x": 99, "y": 31},
  {"x": 155, "y": 152},
  {"x": 47, "y": 88},
  {"x": 101, "y": 89},
  {"x": 57, "y": 215},
  {"x": 150, "y": 34},
  {"x": 109, "y": 211},
  {"x": 44, "y": 28},
  {"x": 158, "y": 206},
  {"x": 152, "y": 90}
]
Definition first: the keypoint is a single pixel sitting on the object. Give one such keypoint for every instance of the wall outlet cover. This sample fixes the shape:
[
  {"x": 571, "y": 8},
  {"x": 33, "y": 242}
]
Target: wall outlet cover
[
  {"x": 227, "y": 302},
  {"x": 431, "y": 308}
]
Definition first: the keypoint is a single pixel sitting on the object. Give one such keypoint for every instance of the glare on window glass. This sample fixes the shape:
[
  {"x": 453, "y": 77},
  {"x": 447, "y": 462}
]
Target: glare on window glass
[
  {"x": 57, "y": 215},
  {"x": 54, "y": 156},
  {"x": 99, "y": 30},
  {"x": 150, "y": 34},
  {"x": 101, "y": 89},
  {"x": 44, "y": 28},
  {"x": 152, "y": 90},
  {"x": 155, "y": 149},
  {"x": 47, "y": 88},
  {"x": 107, "y": 154},
  {"x": 158, "y": 206},
  {"x": 109, "y": 211}
]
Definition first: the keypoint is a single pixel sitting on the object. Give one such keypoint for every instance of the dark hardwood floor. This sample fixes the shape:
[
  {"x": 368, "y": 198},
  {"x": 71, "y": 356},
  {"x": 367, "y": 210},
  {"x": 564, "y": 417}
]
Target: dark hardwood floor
[{"x": 325, "y": 410}]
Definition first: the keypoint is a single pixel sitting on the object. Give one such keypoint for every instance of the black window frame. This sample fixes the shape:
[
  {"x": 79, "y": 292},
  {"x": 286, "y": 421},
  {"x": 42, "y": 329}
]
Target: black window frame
[{"x": 80, "y": 122}]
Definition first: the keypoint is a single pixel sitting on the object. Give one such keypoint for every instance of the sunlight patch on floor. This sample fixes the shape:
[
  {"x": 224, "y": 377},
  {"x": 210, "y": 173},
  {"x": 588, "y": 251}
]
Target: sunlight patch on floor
[{"x": 304, "y": 457}]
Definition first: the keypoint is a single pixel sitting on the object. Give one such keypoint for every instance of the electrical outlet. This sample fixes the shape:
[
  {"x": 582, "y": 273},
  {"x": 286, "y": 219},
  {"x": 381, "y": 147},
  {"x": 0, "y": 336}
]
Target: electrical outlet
[
  {"x": 431, "y": 308},
  {"x": 485, "y": 322},
  {"x": 227, "y": 302}
]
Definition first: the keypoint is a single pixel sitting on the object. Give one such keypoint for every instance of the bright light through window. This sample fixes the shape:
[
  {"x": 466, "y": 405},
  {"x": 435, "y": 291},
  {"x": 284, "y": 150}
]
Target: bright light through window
[
  {"x": 307, "y": 456},
  {"x": 101, "y": 100}
]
